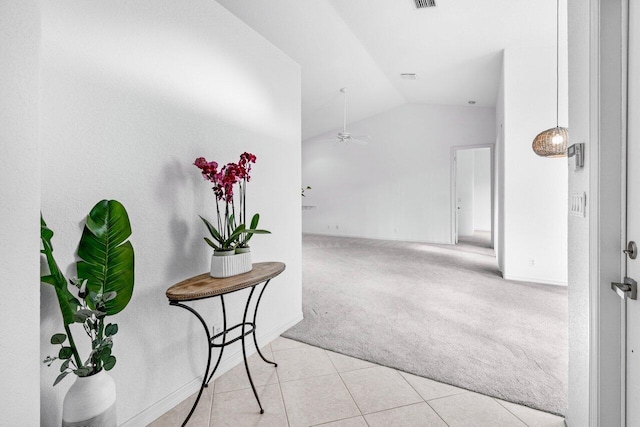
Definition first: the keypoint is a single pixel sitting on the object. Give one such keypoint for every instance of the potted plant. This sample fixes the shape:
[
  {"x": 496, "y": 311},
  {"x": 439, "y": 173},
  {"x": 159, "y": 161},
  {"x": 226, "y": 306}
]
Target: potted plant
[
  {"x": 104, "y": 287},
  {"x": 230, "y": 236}
]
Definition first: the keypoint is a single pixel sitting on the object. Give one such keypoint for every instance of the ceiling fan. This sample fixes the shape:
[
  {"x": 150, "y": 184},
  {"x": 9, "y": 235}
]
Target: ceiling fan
[{"x": 344, "y": 136}]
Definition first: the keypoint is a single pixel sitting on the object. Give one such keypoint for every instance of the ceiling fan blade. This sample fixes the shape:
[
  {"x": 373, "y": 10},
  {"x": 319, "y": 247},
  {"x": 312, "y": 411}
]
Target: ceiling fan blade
[
  {"x": 359, "y": 141},
  {"x": 334, "y": 139},
  {"x": 362, "y": 137}
]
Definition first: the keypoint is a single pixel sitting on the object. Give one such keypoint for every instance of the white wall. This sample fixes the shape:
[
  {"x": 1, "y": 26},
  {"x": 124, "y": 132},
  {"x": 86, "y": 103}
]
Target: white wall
[
  {"x": 132, "y": 93},
  {"x": 465, "y": 174},
  {"x": 535, "y": 188},
  {"x": 482, "y": 189},
  {"x": 19, "y": 211},
  {"x": 398, "y": 186}
]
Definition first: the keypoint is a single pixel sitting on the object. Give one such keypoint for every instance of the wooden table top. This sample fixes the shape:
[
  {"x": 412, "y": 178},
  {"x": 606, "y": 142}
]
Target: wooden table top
[{"x": 205, "y": 286}]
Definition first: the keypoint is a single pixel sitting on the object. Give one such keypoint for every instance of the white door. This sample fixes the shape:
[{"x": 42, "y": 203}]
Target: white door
[
  {"x": 467, "y": 181},
  {"x": 633, "y": 217},
  {"x": 455, "y": 196}
]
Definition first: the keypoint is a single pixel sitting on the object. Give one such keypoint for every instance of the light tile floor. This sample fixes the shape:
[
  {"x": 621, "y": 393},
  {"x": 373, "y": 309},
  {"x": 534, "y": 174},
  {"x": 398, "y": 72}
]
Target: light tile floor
[{"x": 316, "y": 387}]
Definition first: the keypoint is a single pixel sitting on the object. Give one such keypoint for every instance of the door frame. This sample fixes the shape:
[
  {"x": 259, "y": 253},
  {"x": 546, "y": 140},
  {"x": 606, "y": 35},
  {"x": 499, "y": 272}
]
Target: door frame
[
  {"x": 452, "y": 192},
  {"x": 606, "y": 209}
]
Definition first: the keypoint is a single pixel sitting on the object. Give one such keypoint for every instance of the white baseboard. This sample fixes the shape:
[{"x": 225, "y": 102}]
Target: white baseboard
[
  {"x": 534, "y": 280},
  {"x": 156, "y": 410},
  {"x": 390, "y": 239}
]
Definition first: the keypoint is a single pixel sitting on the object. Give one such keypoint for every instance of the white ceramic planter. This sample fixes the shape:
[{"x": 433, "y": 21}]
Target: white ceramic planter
[
  {"x": 91, "y": 401},
  {"x": 230, "y": 265}
]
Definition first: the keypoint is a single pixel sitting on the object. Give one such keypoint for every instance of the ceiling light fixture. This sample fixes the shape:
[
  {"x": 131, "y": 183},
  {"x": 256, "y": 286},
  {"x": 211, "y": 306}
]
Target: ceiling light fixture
[
  {"x": 553, "y": 142},
  {"x": 408, "y": 76}
]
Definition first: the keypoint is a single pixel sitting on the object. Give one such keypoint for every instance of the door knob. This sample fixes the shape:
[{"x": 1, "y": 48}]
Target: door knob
[{"x": 632, "y": 250}]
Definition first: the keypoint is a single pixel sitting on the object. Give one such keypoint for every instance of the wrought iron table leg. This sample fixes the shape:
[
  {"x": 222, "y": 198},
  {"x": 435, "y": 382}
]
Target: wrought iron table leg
[
  {"x": 244, "y": 349},
  {"x": 206, "y": 372},
  {"x": 209, "y": 375},
  {"x": 255, "y": 313},
  {"x": 224, "y": 340}
]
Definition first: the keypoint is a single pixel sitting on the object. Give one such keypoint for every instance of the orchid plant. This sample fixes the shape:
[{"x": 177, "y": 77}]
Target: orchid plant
[{"x": 231, "y": 231}]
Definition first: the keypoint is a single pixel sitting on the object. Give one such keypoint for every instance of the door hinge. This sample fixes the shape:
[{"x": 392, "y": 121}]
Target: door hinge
[{"x": 628, "y": 289}]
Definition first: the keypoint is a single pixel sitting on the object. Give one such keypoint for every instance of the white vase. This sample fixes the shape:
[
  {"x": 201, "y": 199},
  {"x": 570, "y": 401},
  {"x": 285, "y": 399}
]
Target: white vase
[
  {"x": 91, "y": 401},
  {"x": 230, "y": 265}
]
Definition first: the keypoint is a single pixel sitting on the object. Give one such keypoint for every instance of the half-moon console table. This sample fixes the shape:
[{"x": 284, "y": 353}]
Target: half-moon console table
[{"x": 205, "y": 286}]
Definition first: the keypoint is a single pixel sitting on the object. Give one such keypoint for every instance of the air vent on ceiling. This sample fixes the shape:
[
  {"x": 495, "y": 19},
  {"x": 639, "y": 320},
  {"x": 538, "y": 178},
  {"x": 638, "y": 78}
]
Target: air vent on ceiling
[
  {"x": 421, "y": 4},
  {"x": 408, "y": 76}
]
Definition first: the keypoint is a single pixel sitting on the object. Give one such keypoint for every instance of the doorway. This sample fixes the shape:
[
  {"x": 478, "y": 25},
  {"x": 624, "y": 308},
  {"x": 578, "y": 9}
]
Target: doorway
[
  {"x": 631, "y": 305},
  {"x": 472, "y": 195}
]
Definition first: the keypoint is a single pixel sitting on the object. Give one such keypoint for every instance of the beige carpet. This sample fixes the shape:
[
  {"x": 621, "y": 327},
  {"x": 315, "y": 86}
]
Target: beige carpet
[{"x": 442, "y": 312}]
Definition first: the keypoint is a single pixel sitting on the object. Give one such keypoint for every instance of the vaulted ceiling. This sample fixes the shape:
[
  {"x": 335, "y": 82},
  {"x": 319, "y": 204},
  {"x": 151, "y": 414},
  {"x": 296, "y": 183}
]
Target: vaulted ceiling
[{"x": 364, "y": 45}]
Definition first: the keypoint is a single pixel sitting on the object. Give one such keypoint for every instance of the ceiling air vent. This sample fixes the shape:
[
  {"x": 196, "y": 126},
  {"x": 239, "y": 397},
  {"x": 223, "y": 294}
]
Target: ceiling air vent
[{"x": 421, "y": 4}]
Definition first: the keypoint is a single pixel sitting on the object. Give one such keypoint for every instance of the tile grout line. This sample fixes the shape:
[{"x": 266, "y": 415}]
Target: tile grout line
[
  {"x": 454, "y": 394},
  {"x": 288, "y": 349},
  {"x": 359, "y": 369},
  {"x": 341, "y": 419},
  {"x": 457, "y": 394},
  {"x": 284, "y": 404},
  {"x": 345, "y": 355},
  {"x": 462, "y": 390},
  {"x": 248, "y": 385},
  {"x": 423, "y": 399},
  {"x": 354, "y": 400},
  {"x": 298, "y": 344},
  {"x": 507, "y": 409},
  {"x": 301, "y": 344},
  {"x": 437, "y": 413},
  {"x": 279, "y": 382},
  {"x": 345, "y": 386},
  {"x": 213, "y": 395},
  {"x": 306, "y": 378},
  {"x": 397, "y": 407}
]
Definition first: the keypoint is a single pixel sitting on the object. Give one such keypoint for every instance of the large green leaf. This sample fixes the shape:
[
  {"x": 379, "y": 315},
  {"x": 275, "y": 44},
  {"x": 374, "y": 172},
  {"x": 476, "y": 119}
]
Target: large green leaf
[
  {"x": 107, "y": 257},
  {"x": 68, "y": 303}
]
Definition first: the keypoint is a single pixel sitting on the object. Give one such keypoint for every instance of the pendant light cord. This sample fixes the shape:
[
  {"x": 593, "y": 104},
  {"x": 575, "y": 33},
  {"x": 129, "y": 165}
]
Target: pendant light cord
[
  {"x": 557, "y": 60},
  {"x": 344, "y": 115}
]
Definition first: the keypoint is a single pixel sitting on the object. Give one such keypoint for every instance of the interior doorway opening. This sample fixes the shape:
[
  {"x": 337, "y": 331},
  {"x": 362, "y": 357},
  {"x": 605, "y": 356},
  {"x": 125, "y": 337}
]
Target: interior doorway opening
[{"x": 472, "y": 196}]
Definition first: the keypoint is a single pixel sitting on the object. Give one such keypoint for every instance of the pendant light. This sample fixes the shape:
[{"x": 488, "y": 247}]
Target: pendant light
[{"x": 553, "y": 142}]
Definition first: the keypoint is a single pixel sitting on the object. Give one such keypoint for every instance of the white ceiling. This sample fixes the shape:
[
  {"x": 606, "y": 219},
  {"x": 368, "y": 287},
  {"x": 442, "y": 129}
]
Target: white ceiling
[{"x": 455, "y": 48}]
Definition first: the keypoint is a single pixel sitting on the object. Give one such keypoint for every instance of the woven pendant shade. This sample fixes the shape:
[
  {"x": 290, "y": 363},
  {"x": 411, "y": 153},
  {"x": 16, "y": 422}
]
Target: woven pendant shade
[{"x": 551, "y": 143}]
